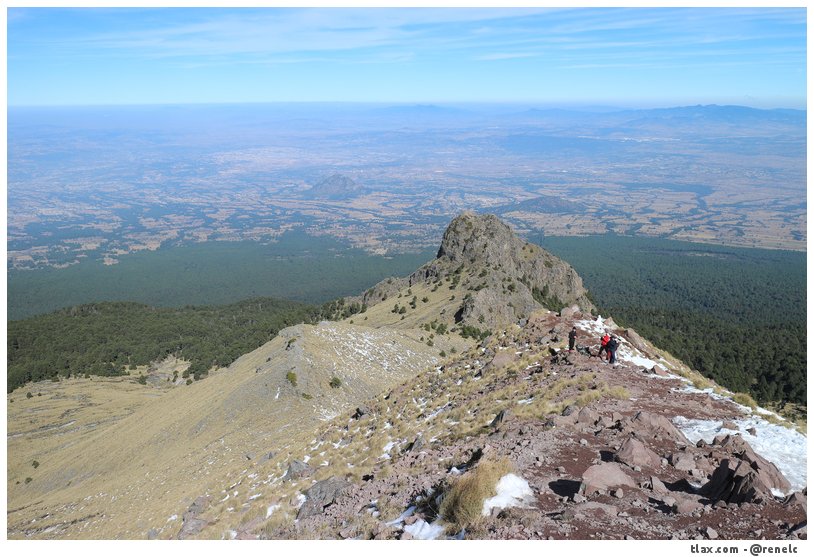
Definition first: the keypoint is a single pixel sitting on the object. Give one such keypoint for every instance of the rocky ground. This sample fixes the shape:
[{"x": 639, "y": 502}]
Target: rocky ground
[{"x": 595, "y": 442}]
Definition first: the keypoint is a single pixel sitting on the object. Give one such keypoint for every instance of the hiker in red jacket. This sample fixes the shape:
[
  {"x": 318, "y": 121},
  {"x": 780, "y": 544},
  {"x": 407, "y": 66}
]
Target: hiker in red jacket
[{"x": 604, "y": 346}]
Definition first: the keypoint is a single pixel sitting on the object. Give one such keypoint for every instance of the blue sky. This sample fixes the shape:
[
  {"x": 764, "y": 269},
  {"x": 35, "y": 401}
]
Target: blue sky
[{"x": 634, "y": 57}]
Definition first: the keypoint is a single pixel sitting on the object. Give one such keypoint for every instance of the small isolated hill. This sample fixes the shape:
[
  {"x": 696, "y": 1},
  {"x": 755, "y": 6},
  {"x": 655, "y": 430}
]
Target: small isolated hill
[
  {"x": 495, "y": 278},
  {"x": 336, "y": 187}
]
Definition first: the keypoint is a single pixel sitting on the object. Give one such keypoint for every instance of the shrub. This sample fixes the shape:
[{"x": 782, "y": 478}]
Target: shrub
[
  {"x": 292, "y": 378},
  {"x": 463, "y": 503},
  {"x": 335, "y": 382},
  {"x": 29, "y": 395},
  {"x": 142, "y": 379},
  {"x": 35, "y": 464},
  {"x": 744, "y": 400},
  {"x": 189, "y": 381},
  {"x": 29, "y": 480},
  {"x": 306, "y": 396}
]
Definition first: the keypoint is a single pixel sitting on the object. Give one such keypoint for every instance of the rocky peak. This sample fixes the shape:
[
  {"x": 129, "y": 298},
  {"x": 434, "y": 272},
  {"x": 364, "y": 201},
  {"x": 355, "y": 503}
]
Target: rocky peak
[
  {"x": 502, "y": 279},
  {"x": 472, "y": 238}
]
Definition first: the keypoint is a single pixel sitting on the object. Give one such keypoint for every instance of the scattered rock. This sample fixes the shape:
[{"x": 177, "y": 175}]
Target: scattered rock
[
  {"x": 752, "y": 431},
  {"x": 360, "y": 411},
  {"x": 618, "y": 493},
  {"x": 729, "y": 424},
  {"x": 321, "y": 495},
  {"x": 710, "y": 533}
]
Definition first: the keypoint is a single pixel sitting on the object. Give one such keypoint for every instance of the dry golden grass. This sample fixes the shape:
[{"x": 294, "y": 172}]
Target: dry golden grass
[{"x": 463, "y": 503}]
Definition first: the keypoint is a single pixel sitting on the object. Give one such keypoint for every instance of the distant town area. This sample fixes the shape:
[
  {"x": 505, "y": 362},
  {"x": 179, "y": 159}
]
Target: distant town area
[{"x": 99, "y": 183}]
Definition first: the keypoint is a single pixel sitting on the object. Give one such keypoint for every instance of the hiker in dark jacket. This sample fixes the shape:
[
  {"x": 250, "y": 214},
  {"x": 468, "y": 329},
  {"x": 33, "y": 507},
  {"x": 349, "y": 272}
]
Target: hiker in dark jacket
[
  {"x": 613, "y": 344},
  {"x": 572, "y": 339}
]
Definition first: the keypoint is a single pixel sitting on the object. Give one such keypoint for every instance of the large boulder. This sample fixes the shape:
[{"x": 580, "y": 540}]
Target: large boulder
[
  {"x": 740, "y": 484},
  {"x": 602, "y": 477},
  {"x": 646, "y": 425},
  {"x": 768, "y": 473},
  {"x": 634, "y": 453}
]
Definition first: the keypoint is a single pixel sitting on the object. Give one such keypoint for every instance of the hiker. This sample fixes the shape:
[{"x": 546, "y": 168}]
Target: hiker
[
  {"x": 603, "y": 345},
  {"x": 572, "y": 339},
  {"x": 611, "y": 347}
]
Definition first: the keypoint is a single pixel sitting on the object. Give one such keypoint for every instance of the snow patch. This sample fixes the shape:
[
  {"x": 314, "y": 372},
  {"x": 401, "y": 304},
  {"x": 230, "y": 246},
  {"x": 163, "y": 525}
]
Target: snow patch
[
  {"x": 783, "y": 447},
  {"x": 400, "y": 520},
  {"x": 270, "y": 510},
  {"x": 512, "y": 491},
  {"x": 422, "y": 530}
]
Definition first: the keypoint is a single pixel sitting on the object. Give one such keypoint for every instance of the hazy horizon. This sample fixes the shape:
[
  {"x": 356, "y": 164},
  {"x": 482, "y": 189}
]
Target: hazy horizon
[{"x": 632, "y": 57}]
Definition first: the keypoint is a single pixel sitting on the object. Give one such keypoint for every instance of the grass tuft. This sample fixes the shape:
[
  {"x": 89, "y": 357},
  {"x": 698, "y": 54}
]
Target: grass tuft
[{"x": 463, "y": 503}]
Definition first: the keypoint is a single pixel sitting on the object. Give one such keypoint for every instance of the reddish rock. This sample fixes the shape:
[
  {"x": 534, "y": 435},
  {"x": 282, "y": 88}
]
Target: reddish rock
[
  {"x": 634, "y": 453},
  {"x": 645, "y": 424},
  {"x": 587, "y": 416},
  {"x": 601, "y": 477},
  {"x": 768, "y": 473},
  {"x": 682, "y": 461}
]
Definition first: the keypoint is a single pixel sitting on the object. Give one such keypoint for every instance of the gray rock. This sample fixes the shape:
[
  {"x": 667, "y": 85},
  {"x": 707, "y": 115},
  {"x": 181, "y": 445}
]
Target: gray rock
[
  {"x": 321, "y": 495},
  {"x": 152, "y": 534},
  {"x": 502, "y": 415},
  {"x": 297, "y": 469},
  {"x": 570, "y": 409},
  {"x": 710, "y": 533}
]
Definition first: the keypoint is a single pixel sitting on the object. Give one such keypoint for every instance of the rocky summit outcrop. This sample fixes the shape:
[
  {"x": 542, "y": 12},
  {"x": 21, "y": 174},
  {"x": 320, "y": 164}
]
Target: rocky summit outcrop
[{"x": 504, "y": 279}]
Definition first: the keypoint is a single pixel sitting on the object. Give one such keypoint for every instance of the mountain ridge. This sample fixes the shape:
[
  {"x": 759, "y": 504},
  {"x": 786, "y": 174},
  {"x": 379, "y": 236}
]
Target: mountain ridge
[{"x": 272, "y": 447}]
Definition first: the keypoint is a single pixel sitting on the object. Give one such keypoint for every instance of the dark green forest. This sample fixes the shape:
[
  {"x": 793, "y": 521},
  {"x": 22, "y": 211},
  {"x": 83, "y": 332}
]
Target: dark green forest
[
  {"x": 109, "y": 338},
  {"x": 298, "y": 267},
  {"x": 737, "y": 315}
]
